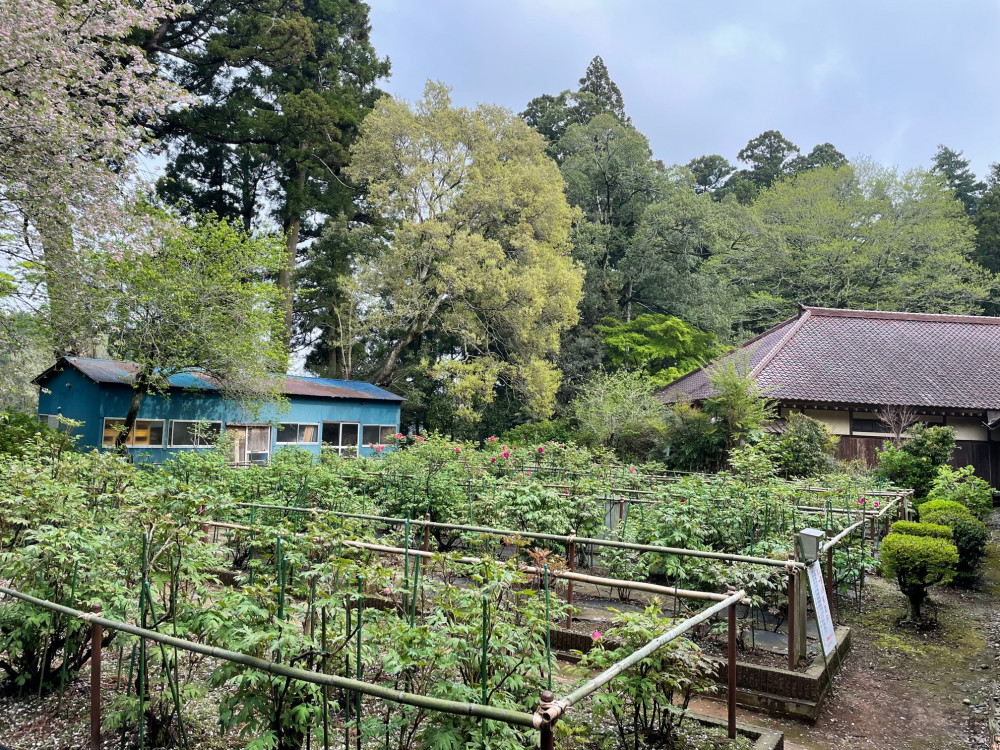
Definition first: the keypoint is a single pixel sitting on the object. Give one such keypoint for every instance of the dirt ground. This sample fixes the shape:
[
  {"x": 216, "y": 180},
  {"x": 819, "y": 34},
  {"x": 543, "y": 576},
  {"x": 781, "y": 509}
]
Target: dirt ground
[{"x": 904, "y": 690}]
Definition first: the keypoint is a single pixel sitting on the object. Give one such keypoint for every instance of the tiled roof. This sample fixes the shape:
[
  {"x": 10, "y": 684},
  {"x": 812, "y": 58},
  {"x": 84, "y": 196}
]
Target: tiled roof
[
  {"x": 113, "y": 371},
  {"x": 864, "y": 357}
]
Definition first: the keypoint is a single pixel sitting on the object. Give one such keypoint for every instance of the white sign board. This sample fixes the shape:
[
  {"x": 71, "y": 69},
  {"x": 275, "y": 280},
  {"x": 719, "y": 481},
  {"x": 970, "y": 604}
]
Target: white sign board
[{"x": 822, "y": 607}]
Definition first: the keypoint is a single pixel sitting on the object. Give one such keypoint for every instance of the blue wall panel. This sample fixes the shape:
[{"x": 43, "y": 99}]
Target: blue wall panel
[{"x": 74, "y": 395}]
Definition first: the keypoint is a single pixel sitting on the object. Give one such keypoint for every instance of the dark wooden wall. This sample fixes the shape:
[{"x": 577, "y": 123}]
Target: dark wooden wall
[{"x": 979, "y": 455}]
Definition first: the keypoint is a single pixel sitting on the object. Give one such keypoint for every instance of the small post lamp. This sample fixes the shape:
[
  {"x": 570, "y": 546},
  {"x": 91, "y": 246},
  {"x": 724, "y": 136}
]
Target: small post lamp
[{"x": 810, "y": 541}]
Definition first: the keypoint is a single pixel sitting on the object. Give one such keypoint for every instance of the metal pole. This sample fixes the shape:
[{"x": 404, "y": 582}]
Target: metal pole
[
  {"x": 427, "y": 532},
  {"x": 569, "y": 585},
  {"x": 731, "y": 672},
  {"x": 96, "y": 635},
  {"x": 793, "y": 659}
]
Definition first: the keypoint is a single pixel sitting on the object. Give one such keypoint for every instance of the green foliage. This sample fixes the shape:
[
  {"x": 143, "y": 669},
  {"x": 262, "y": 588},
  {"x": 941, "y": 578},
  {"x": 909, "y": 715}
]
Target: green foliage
[
  {"x": 694, "y": 441},
  {"x": 738, "y": 402},
  {"x": 660, "y": 346},
  {"x": 970, "y": 537},
  {"x": 18, "y": 431},
  {"x": 619, "y": 410},
  {"x": 533, "y": 433},
  {"x": 924, "y": 528},
  {"x": 856, "y": 237},
  {"x": 24, "y": 353},
  {"x": 918, "y": 562},
  {"x": 647, "y": 703},
  {"x": 472, "y": 280},
  {"x": 806, "y": 447},
  {"x": 958, "y": 177},
  {"x": 962, "y": 486},
  {"x": 947, "y": 506},
  {"x": 914, "y": 465}
]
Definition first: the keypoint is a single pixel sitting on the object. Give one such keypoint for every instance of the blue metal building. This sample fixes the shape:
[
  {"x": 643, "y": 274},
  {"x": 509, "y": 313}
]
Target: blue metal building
[{"x": 348, "y": 416}]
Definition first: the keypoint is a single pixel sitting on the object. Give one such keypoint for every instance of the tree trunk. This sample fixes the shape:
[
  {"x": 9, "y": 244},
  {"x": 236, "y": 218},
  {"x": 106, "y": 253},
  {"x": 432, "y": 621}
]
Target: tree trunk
[
  {"x": 286, "y": 276},
  {"x": 68, "y": 317},
  {"x": 384, "y": 373},
  {"x": 139, "y": 390}
]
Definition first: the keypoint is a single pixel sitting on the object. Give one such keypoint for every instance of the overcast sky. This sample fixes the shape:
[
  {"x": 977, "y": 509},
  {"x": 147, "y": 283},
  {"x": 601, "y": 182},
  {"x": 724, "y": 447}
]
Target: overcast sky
[{"x": 889, "y": 80}]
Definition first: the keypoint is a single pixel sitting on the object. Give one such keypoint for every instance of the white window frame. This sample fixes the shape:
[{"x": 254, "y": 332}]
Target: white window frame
[
  {"x": 104, "y": 429},
  {"x": 394, "y": 428},
  {"x": 340, "y": 447},
  {"x": 170, "y": 433},
  {"x": 298, "y": 432}
]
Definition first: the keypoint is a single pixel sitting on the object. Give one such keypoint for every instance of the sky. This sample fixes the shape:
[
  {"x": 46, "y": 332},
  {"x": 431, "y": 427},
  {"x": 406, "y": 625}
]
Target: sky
[{"x": 883, "y": 80}]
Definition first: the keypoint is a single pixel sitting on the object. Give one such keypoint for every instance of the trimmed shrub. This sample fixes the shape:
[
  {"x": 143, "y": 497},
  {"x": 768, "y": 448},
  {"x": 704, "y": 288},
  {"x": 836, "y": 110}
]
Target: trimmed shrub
[
  {"x": 918, "y": 562},
  {"x": 970, "y": 537},
  {"x": 922, "y": 529},
  {"x": 932, "y": 506},
  {"x": 963, "y": 486},
  {"x": 915, "y": 463}
]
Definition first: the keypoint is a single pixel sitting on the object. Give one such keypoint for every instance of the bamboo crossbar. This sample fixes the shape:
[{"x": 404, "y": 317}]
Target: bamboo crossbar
[
  {"x": 516, "y": 718},
  {"x": 566, "y": 574},
  {"x": 636, "y": 656},
  {"x": 560, "y": 538}
]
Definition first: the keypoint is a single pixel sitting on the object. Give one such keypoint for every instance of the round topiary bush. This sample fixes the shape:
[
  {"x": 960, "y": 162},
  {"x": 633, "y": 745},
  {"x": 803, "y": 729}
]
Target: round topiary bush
[
  {"x": 970, "y": 537},
  {"x": 950, "y": 506},
  {"x": 917, "y": 562},
  {"x": 935, "y": 530}
]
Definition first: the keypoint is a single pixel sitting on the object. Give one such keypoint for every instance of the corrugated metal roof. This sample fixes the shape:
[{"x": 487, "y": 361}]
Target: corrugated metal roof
[
  {"x": 112, "y": 371},
  {"x": 873, "y": 358}
]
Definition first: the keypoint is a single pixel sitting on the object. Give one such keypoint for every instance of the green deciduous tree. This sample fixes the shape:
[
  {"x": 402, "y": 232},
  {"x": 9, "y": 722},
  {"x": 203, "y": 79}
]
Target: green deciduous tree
[
  {"x": 619, "y": 410},
  {"x": 859, "y": 237},
  {"x": 476, "y": 260},
  {"x": 196, "y": 299},
  {"x": 710, "y": 172},
  {"x": 660, "y": 346}
]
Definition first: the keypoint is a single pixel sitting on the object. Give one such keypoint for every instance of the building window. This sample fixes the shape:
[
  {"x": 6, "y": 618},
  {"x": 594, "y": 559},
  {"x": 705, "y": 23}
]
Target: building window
[
  {"x": 343, "y": 436},
  {"x": 290, "y": 433},
  {"x": 49, "y": 420},
  {"x": 193, "y": 433},
  {"x": 146, "y": 433},
  {"x": 379, "y": 434}
]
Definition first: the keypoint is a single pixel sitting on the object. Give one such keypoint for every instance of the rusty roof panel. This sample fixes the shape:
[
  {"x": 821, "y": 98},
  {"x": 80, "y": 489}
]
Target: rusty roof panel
[{"x": 111, "y": 371}]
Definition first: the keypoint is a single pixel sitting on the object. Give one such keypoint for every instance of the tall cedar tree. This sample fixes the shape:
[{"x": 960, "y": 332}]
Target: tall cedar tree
[
  {"x": 959, "y": 177},
  {"x": 282, "y": 88}
]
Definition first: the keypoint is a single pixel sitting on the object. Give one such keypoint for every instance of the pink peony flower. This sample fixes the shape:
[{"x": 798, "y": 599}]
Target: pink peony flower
[
  {"x": 876, "y": 503},
  {"x": 399, "y": 435},
  {"x": 529, "y": 473},
  {"x": 861, "y": 501},
  {"x": 387, "y": 591},
  {"x": 493, "y": 438},
  {"x": 505, "y": 454},
  {"x": 458, "y": 449},
  {"x": 493, "y": 460},
  {"x": 684, "y": 499},
  {"x": 541, "y": 449},
  {"x": 632, "y": 469},
  {"x": 596, "y": 635}
]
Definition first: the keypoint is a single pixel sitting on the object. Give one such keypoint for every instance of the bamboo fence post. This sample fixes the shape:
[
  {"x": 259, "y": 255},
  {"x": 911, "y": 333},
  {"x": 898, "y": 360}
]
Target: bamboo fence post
[{"x": 96, "y": 636}]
